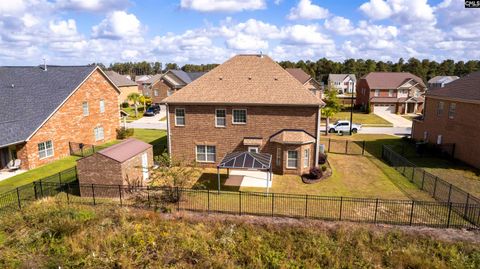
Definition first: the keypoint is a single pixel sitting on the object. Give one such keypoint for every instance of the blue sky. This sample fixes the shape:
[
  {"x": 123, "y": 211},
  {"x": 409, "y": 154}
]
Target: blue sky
[{"x": 205, "y": 31}]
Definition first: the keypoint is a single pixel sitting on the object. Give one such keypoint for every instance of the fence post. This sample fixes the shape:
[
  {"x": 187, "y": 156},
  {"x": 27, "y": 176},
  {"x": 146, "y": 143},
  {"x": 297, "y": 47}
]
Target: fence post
[
  {"x": 346, "y": 146},
  {"x": 329, "y": 140},
  {"x": 435, "y": 187},
  {"x": 60, "y": 178},
  {"x": 423, "y": 180},
  {"x": 466, "y": 204},
  {"x": 240, "y": 202},
  {"x": 306, "y": 205},
  {"x": 363, "y": 148},
  {"x": 178, "y": 199},
  {"x": 208, "y": 200},
  {"x": 449, "y": 192},
  {"x": 68, "y": 191},
  {"x": 18, "y": 198},
  {"x": 376, "y": 210},
  {"x": 413, "y": 174},
  {"x": 341, "y": 207},
  {"x": 411, "y": 212},
  {"x": 148, "y": 197},
  {"x": 120, "y": 194},
  {"x": 41, "y": 188},
  {"x": 273, "y": 203},
  {"x": 93, "y": 195},
  {"x": 35, "y": 190},
  {"x": 449, "y": 214},
  {"x": 76, "y": 174}
]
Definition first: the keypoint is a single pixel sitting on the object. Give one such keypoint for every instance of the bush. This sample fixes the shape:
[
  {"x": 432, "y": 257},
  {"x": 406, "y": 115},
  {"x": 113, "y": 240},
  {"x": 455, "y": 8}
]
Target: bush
[
  {"x": 123, "y": 133},
  {"x": 125, "y": 105},
  {"x": 322, "y": 158},
  {"x": 315, "y": 173}
]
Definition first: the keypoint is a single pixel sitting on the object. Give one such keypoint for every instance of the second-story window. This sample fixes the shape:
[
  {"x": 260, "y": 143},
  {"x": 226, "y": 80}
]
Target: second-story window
[
  {"x": 239, "y": 116},
  {"x": 220, "y": 118},
  {"x": 377, "y": 93},
  {"x": 390, "y": 93},
  {"x": 155, "y": 92},
  {"x": 102, "y": 106},
  {"x": 85, "y": 109},
  {"x": 180, "y": 117},
  {"x": 440, "y": 108},
  {"x": 452, "y": 110}
]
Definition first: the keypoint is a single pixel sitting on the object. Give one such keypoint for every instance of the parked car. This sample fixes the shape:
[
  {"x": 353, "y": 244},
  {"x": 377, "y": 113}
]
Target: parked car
[
  {"x": 152, "y": 111},
  {"x": 343, "y": 126}
]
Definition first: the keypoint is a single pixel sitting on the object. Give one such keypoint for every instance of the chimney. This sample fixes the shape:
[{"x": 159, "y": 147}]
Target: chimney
[{"x": 44, "y": 64}]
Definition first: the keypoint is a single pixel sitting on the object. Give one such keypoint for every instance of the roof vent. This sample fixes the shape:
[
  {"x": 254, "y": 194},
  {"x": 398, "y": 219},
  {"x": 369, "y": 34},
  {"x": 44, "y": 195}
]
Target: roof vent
[
  {"x": 44, "y": 64},
  {"x": 13, "y": 85},
  {"x": 249, "y": 78},
  {"x": 261, "y": 54},
  {"x": 220, "y": 78},
  {"x": 275, "y": 78}
]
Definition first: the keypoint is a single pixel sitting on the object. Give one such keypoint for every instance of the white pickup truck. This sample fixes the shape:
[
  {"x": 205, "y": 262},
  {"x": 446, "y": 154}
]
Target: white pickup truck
[{"x": 343, "y": 126}]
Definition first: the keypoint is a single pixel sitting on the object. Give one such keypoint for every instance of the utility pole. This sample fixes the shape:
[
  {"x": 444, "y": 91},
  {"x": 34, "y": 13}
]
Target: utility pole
[{"x": 351, "y": 114}]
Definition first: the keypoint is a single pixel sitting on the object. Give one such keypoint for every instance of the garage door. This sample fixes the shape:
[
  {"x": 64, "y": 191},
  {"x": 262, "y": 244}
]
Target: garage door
[{"x": 384, "y": 108}]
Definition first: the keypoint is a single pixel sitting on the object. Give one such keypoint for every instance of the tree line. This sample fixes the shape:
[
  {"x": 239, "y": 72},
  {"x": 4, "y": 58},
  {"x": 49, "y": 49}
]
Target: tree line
[{"x": 425, "y": 69}]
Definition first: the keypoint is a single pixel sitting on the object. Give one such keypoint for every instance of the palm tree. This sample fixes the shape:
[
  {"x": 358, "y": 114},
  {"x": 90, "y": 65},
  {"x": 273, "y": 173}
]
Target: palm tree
[
  {"x": 332, "y": 105},
  {"x": 134, "y": 97}
]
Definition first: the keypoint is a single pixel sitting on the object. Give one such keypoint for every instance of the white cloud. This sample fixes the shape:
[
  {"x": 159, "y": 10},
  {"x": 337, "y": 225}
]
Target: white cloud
[
  {"x": 92, "y": 5},
  {"x": 117, "y": 25},
  {"x": 63, "y": 28},
  {"x": 246, "y": 43},
  {"x": 339, "y": 25},
  {"x": 376, "y": 9},
  {"x": 401, "y": 11},
  {"x": 308, "y": 11},
  {"x": 223, "y": 5},
  {"x": 12, "y": 7},
  {"x": 305, "y": 35}
]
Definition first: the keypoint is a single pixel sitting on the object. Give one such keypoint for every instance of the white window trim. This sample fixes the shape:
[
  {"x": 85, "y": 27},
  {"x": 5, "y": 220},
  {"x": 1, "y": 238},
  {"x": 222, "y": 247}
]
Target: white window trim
[
  {"x": 184, "y": 113},
  {"x": 233, "y": 116},
  {"x": 377, "y": 93},
  {"x": 451, "y": 115},
  {"x": 440, "y": 111},
  {"x": 306, "y": 160},
  {"x": 439, "y": 139},
  {"x": 391, "y": 93},
  {"x": 278, "y": 161},
  {"x": 46, "y": 156},
  {"x": 288, "y": 159},
  {"x": 83, "y": 109},
  {"x": 102, "y": 106},
  {"x": 255, "y": 148},
  {"x": 206, "y": 161},
  {"x": 95, "y": 133},
  {"x": 221, "y": 126}
]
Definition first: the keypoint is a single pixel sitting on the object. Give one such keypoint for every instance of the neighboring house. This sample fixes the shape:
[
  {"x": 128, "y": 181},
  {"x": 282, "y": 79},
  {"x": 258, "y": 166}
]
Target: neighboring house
[
  {"x": 126, "y": 163},
  {"x": 170, "y": 82},
  {"x": 393, "y": 92},
  {"x": 139, "y": 80},
  {"x": 452, "y": 115},
  {"x": 249, "y": 103},
  {"x": 344, "y": 83},
  {"x": 125, "y": 85},
  {"x": 42, "y": 110},
  {"x": 440, "y": 81},
  {"x": 308, "y": 82},
  {"x": 146, "y": 88}
]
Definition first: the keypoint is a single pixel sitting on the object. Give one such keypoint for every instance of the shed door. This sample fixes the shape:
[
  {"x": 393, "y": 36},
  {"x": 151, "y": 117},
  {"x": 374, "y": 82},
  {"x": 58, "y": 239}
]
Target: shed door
[{"x": 145, "y": 166}]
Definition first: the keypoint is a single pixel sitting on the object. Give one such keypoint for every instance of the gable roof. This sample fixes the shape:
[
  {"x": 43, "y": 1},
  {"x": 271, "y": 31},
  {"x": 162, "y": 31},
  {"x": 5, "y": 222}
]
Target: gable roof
[
  {"x": 246, "y": 79},
  {"x": 29, "y": 96},
  {"x": 141, "y": 78},
  {"x": 466, "y": 88},
  {"x": 390, "y": 80},
  {"x": 293, "y": 137},
  {"x": 341, "y": 77},
  {"x": 125, "y": 150},
  {"x": 153, "y": 79},
  {"x": 443, "y": 79},
  {"x": 119, "y": 80},
  {"x": 186, "y": 77},
  {"x": 299, "y": 74}
]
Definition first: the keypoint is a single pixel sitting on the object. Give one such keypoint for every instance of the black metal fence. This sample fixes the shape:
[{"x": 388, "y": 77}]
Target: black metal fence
[
  {"x": 381, "y": 211},
  {"x": 438, "y": 188},
  {"x": 350, "y": 147},
  {"x": 81, "y": 149},
  {"x": 412, "y": 149}
]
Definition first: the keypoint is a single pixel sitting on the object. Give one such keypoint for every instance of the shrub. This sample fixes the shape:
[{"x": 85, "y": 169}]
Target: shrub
[
  {"x": 322, "y": 158},
  {"x": 315, "y": 173},
  {"x": 123, "y": 133},
  {"x": 125, "y": 105},
  {"x": 324, "y": 168}
]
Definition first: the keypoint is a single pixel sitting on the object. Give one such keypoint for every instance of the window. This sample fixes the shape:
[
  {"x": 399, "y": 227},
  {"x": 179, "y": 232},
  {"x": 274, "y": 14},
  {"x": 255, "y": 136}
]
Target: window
[
  {"x": 377, "y": 93},
  {"x": 102, "y": 106},
  {"x": 440, "y": 108},
  {"x": 85, "y": 108},
  {"x": 390, "y": 93},
  {"x": 45, "y": 149},
  {"x": 155, "y": 92},
  {"x": 452, "y": 110},
  {"x": 220, "y": 118},
  {"x": 439, "y": 139},
  {"x": 306, "y": 158},
  {"x": 239, "y": 116},
  {"x": 180, "y": 117},
  {"x": 206, "y": 153},
  {"x": 425, "y": 136},
  {"x": 169, "y": 92},
  {"x": 279, "y": 157},
  {"x": 292, "y": 158},
  {"x": 253, "y": 149},
  {"x": 98, "y": 132}
]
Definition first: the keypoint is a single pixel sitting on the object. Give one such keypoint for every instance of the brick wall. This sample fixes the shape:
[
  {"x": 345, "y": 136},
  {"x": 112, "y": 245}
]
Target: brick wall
[
  {"x": 362, "y": 97},
  {"x": 262, "y": 122},
  {"x": 132, "y": 171},
  {"x": 125, "y": 92},
  {"x": 69, "y": 125},
  {"x": 161, "y": 89},
  {"x": 463, "y": 130}
]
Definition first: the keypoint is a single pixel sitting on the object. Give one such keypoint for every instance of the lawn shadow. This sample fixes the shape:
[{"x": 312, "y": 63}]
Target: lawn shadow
[{"x": 209, "y": 181}]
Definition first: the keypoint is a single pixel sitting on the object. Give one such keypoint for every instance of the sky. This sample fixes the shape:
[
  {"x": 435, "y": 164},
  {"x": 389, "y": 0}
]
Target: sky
[{"x": 75, "y": 32}]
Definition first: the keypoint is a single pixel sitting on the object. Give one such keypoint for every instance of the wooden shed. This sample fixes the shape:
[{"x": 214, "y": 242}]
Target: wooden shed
[{"x": 126, "y": 163}]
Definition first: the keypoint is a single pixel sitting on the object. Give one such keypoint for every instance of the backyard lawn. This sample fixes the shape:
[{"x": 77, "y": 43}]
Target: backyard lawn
[
  {"x": 150, "y": 136},
  {"x": 361, "y": 118}
]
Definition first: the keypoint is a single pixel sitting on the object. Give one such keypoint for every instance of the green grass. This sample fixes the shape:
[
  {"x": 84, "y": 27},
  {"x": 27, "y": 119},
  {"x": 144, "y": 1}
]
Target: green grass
[
  {"x": 131, "y": 113},
  {"x": 52, "y": 235},
  {"x": 361, "y": 118},
  {"x": 150, "y": 136}
]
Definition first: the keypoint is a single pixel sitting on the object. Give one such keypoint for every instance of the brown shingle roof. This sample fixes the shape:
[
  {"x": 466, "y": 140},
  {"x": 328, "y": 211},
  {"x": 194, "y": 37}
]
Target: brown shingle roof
[
  {"x": 119, "y": 80},
  {"x": 125, "y": 150},
  {"x": 467, "y": 88},
  {"x": 390, "y": 80},
  {"x": 153, "y": 79},
  {"x": 299, "y": 74},
  {"x": 246, "y": 79},
  {"x": 293, "y": 137}
]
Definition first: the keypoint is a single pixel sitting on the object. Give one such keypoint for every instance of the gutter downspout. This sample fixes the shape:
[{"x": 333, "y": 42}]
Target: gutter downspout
[
  {"x": 168, "y": 131},
  {"x": 317, "y": 144}
]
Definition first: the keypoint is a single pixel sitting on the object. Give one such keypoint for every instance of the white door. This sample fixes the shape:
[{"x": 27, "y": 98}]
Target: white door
[
  {"x": 145, "y": 166},
  {"x": 384, "y": 108}
]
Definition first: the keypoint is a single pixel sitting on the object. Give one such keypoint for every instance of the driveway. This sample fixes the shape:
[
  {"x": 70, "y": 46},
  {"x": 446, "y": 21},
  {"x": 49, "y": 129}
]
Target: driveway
[
  {"x": 400, "y": 131},
  {"x": 396, "y": 120},
  {"x": 150, "y": 122}
]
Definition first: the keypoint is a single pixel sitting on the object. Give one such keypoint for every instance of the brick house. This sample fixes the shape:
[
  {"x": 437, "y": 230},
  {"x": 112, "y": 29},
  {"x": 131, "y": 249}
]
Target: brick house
[
  {"x": 452, "y": 115},
  {"x": 43, "y": 109},
  {"x": 308, "y": 82},
  {"x": 146, "y": 85},
  {"x": 249, "y": 103},
  {"x": 172, "y": 81},
  {"x": 394, "y": 92},
  {"x": 125, "y": 85},
  {"x": 126, "y": 163}
]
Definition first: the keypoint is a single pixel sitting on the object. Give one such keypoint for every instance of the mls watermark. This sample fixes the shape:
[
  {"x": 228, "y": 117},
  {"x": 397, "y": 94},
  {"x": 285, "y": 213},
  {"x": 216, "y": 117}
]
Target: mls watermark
[{"x": 472, "y": 3}]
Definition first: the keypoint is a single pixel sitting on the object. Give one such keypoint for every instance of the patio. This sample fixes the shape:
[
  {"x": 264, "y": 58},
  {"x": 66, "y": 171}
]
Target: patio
[{"x": 4, "y": 174}]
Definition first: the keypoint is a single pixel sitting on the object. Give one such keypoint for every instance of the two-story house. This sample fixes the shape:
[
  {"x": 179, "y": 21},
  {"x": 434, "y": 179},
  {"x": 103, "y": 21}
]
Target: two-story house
[
  {"x": 452, "y": 116},
  {"x": 308, "y": 81},
  {"x": 124, "y": 84},
  {"x": 170, "y": 82},
  {"x": 247, "y": 104},
  {"x": 391, "y": 92},
  {"x": 440, "y": 81},
  {"x": 42, "y": 109},
  {"x": 344, "y": 83}
]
